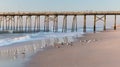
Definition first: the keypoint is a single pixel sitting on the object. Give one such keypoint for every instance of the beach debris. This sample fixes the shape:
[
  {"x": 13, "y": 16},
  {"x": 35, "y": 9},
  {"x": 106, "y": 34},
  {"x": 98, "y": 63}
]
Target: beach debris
[
  {"x": 57, "y": 45},
  {"x": 71, "y": 43},
  {"x": 94, "y": 39},
  {"x": 62, "y": 43},
  {"x": 89, "y": 41}
]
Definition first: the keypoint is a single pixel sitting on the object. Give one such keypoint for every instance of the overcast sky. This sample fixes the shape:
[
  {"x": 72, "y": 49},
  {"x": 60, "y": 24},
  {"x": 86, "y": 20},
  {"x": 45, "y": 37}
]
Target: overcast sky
[{"x": 58, "y": 5}]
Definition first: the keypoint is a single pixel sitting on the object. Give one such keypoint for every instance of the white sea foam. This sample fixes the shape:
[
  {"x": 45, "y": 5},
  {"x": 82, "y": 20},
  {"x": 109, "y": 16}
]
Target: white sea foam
[
  {"x": 8, "y": 41},
  {"x": 39, "y": 36}
]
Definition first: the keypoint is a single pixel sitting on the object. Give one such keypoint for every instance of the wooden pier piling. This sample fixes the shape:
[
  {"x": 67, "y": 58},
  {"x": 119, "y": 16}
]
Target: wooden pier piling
[
  {"x": 84, "y": 26},
  {"x": 104, "y": 22},
  {"x": 74, "y": 23},
  {"x": 64, "y": 28},
  {"x": 115, "y": 23},
  {"x": 46, "y": 23},
  {"x": 37, "y": 24},
  {"x": 55, "y": 24},
  {"x": 94, "y": 27}
]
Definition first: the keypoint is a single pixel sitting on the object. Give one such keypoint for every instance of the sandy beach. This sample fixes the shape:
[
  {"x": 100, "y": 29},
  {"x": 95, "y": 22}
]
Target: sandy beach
[{"x": 93, "y": 50}]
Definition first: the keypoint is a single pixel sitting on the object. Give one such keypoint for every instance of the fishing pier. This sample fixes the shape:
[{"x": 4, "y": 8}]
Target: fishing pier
[{"x": 30, "y": 21}]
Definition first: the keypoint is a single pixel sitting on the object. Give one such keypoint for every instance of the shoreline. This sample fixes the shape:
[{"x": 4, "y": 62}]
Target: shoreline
[
  {"x": 25, "y": 50},
  {"x": 56, "y": 56}
]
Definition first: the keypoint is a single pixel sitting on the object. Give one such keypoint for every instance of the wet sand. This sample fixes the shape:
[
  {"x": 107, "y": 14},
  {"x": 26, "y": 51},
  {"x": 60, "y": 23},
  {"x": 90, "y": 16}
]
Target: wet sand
[{"x": 93, "y": 50}]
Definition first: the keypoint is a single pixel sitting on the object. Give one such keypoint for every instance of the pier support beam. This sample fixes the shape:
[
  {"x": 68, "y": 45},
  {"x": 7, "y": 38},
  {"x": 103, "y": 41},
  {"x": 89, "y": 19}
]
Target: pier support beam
[
  {"x": 19, "y": 23},
  {"x": 37, "y": 24},
  {"x": 74, "y": 23},
  {"x": 115, "y": 23},
  {"x": 104, "y": 22},
  {"x": 6, "y": 23},
  {"x": 64, "y": 28},
  {"x": 55, "y": 24},
  {"x": 28, "y": 25},
  {"x": 3, "y": 24},
  {"x": 94, "y": 27},
  {"x": 46, "y": 23},
  {"x": 84, "y": 26},
  {"x": 13, "y": 22},
  {"x": 0, "y": 21}
]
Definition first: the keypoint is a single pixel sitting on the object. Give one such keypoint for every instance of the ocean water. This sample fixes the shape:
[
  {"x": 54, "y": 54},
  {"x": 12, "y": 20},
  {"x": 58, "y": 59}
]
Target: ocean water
[
  {"x": 11, "y": 38},
  {"x": 9, "y": 58}
]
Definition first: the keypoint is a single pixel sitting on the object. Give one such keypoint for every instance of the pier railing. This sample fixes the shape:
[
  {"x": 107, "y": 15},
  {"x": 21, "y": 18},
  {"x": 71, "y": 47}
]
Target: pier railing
[{"x": 22, "y": 21}]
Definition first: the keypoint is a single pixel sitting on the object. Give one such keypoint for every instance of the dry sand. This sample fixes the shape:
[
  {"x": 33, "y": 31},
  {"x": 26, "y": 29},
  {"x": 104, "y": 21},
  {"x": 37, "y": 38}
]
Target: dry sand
[{"x": 94, "y": 50}]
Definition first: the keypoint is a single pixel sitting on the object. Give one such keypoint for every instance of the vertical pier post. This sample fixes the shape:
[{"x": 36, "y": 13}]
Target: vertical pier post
[
  {"x": 46, "y": 23},
  {"x": 115, "y": 23},
  {"x": 7, "y": 25},
  {"x": 84, "y": 26},
  {"x": 38, "y": 21},
  {"x": 35, "y": 24},
  {"x": 21, "y": 23},
  {"x": 13, "y": 22},
  {"x": 17, "y": 24},
  {"x": 94, "y": 27},
  {"x": 64, "y": 28},
  {"x": 26, "y": 24},
  {"x": 55, "y": 24},
  {"x": 0, "y": 22},
  {"x": 29, "y": 21},
  {"x": 10, "y": 21},
  {"x": 74, "y": 23},
  {"x": 104, "y": 22},
  {"x": 3, "y": 23},
  {"x": 30, "y": 24}
]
